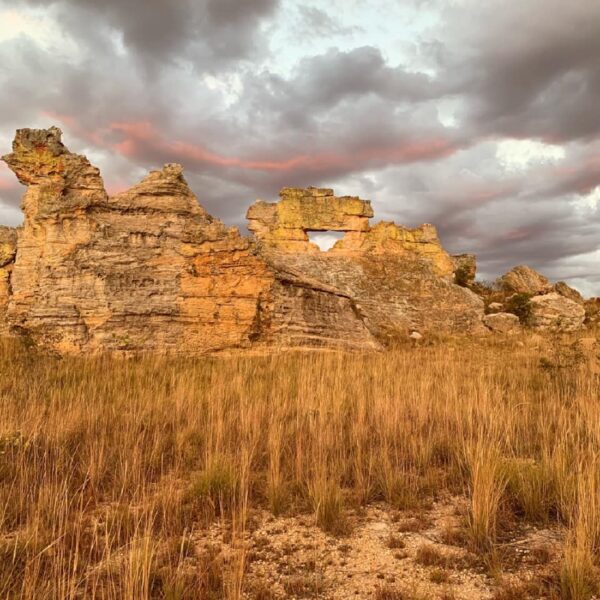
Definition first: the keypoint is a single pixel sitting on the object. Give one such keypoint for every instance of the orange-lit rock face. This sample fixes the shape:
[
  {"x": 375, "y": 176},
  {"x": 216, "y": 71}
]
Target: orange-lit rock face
[
  {"x": 149, "y": 270},
  {"x": 396, "y": 279},
  {"x": 284, "y": 225}
]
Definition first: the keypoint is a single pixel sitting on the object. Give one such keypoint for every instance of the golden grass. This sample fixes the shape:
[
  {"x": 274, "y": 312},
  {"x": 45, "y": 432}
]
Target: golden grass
[{"x": 108, "y": 466}]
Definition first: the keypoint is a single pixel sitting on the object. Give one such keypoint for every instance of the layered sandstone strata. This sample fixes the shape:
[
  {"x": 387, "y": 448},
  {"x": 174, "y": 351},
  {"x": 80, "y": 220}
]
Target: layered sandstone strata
[
  {"x": 284, "y": 225},
  {"x": 150, "y": 270},
  {"x": 146, "y": 269},
  {"x": 399, "y": 279}
]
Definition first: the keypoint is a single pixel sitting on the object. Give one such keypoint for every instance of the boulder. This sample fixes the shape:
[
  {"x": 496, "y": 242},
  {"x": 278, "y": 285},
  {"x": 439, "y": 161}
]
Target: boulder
[
  {"x": 502, "y": 323},
  {"x": 554, "y": 312},
  {"x": 524, "y": 280}
]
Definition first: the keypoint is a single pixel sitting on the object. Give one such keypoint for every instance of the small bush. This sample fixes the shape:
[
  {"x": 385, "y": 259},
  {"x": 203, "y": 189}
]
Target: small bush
[
  {"x": 520, "y": 305},
  {"x": 395, "y": 542},
  {"x": 529, "y": 489},
  {"x": 429, "y": 556},
  {"x": 389, "y": 592}
]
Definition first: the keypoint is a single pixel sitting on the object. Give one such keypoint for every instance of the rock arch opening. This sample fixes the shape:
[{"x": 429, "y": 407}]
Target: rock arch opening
[{"x": 325, "y": 239}]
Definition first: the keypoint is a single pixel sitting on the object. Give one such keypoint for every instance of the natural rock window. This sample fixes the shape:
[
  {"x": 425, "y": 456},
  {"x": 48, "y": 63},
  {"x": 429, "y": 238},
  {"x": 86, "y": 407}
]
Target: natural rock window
[{"x": 325, "y": 239}]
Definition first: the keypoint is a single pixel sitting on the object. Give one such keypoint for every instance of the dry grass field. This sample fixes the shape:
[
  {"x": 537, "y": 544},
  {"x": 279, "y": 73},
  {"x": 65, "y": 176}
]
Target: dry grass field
[{"x": 182, "y": 478}]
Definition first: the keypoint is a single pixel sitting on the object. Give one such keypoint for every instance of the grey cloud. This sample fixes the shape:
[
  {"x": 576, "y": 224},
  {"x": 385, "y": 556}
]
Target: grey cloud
[
  {"x": 505, "y": 218},
  {"x": 321, "y": 82},
  {"x": 526, "y": 69},
  {"x": 211, "y": 33},
  {"x": 348, "y": 117}
]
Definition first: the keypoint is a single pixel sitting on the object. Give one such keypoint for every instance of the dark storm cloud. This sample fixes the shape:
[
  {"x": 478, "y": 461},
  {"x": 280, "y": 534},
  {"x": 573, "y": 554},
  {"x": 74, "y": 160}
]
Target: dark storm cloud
[
  {"x": 320, "y": 82},
  {"x": 505, "y": 218},
  {"x": 210, "y": 33},
  {"x": 526, "y": 69}
]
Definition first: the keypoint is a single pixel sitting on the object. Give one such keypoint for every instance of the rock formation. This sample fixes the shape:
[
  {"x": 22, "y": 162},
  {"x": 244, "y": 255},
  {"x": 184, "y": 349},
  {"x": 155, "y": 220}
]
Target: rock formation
[
  {"x": 149, "y": 270},
  {"x": 556, "y": 313},
  {"x": 465, "y": 268},
  {"x": 145, "y": 269},
  {"x": 556, "y": 307},
  {"x": 524, "y": 280}
]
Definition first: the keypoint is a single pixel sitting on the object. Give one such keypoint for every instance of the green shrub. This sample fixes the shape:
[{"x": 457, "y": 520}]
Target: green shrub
[{"x": 520, "y": 305}]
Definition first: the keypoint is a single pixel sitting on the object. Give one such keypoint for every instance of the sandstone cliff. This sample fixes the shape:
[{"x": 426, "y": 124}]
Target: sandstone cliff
[
  {"x": 146, "y": 269},
  {"x": 150, "y": 270}
]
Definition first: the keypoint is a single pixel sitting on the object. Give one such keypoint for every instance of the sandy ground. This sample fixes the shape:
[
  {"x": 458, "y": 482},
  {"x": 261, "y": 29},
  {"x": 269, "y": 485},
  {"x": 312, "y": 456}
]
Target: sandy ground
[{"x": 389, "y": 555}]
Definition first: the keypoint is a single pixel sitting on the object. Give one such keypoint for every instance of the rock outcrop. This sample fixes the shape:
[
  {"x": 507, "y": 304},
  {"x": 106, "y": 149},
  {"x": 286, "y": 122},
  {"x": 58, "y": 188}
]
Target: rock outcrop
[
  {"x": 284, "y": 225},
  {"x": 553, "y": 312},
  {"x": 149, "y": 270},
  {"x": 146, "y": 269},
  {"x": 524, "y": 280},
  {"x": 399, "y": 279},
  {"x": 543, "y": 306}
]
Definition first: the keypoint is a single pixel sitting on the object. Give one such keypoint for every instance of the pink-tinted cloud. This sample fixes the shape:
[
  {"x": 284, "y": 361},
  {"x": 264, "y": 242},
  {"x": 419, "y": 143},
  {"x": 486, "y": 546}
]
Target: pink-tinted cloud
[
  {"x": 143, "y": 135},
  {"x": 140, "y": 136},
  {"x": 95, "y": 137},
  {"x": 580, "y": 179}
]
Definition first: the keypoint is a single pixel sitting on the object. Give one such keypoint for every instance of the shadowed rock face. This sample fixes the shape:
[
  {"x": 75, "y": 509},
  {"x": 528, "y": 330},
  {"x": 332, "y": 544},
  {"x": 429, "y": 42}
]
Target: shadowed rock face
[
  {"x": 150, "y": 270},
  {"x": 465, "y": 268}
]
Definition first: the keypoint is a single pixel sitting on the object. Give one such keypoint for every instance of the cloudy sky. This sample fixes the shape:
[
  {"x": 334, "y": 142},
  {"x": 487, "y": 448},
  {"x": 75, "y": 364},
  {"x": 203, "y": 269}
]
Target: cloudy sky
[{"x": 480, "y": 117}]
